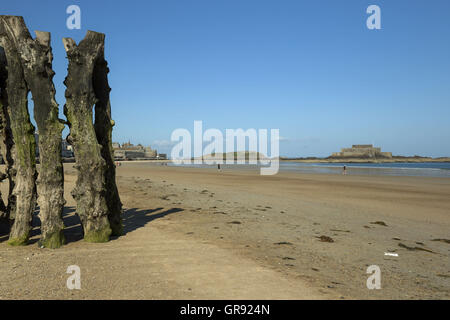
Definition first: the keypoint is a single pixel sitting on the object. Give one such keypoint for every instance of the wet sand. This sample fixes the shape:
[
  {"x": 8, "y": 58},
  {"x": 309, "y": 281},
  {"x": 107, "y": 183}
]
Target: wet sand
[{"x": 202, "y": 234}]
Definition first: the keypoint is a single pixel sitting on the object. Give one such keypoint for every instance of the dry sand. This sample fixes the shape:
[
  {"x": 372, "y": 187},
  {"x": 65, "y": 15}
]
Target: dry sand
[{"x": 203, "y": 234}]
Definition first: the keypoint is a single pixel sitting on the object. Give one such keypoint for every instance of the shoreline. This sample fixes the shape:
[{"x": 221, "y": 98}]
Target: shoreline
[
  {"x": 360, "y": 168},
  {"x": 356, "y": 160},
  {"x": 319, "y": 160}
]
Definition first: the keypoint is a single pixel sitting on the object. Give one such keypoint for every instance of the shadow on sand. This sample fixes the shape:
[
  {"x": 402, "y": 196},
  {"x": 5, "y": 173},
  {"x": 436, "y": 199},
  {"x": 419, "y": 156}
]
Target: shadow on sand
[
  {"x": 133, "y": 219},
  {"x": 4, "y": 230}
]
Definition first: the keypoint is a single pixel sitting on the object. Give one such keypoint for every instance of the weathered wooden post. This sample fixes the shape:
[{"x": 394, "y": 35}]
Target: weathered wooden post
[
  {"x": 90, "y": 191},
  {"x": 36, "y": 58},
  {"x": 4, "y": 213},
  {"x": 24, "y": 149},
  {"x": 6, "y": 139},
  {"x": 103, "y": 128}
]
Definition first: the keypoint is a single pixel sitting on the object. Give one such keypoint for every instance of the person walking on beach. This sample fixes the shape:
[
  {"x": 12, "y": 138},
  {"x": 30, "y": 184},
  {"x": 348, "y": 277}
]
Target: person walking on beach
[
  {"x": 344, "y": 171},
  {"x": 218, "y": 167}
]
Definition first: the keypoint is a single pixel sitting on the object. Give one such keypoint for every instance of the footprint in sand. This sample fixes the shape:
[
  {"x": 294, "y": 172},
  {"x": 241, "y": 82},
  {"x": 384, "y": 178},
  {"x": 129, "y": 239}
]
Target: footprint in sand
[
  {"x": 283, "y": 243},
  {"x": 166, "y": 197},
  {"x": 381, "y": 223},
  {"x": 325, "y": 239},
  {"x": 338, "y": 230}
]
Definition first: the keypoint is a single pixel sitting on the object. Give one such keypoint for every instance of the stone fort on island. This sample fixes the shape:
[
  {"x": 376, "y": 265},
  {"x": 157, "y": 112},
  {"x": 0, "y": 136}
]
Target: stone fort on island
[{"x": 361, "y": 151}]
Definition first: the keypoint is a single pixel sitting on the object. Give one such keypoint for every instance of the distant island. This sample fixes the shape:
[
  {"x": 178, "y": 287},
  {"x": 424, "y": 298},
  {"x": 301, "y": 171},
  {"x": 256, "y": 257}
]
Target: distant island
[
  {"x": 360, "y": 153},
  {"x": 366, "y": 153}
]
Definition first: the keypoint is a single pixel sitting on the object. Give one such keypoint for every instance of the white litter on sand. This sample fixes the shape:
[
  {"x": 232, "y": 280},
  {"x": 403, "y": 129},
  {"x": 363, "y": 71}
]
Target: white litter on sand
[{"x": 391, "y": 254}]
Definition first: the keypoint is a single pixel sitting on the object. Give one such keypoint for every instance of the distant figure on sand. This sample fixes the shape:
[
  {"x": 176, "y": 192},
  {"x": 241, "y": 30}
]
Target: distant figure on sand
[
  {"x": 344, "y": 171},
  {"x": 218, "y": 167}
]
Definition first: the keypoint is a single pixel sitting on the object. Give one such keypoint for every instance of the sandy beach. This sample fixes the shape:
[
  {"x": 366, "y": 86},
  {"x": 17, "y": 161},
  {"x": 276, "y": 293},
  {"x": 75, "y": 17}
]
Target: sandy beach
[{"x": 202, "y": 234}]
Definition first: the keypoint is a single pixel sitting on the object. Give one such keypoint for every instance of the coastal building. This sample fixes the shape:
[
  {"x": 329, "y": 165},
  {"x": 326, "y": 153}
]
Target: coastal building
[
  {"x": 361, "y": 151},
  {"x": 66, "y": 147}
]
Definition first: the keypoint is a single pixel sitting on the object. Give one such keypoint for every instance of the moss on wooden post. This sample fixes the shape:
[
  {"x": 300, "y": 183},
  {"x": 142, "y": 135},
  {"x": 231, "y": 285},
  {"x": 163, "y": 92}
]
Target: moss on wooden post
[
  {"x": 36, "y": 58},
  {"x": 90, "y": 191},
  {"x": 103, "y": 128},
  {"x": 24, "y": 148}
]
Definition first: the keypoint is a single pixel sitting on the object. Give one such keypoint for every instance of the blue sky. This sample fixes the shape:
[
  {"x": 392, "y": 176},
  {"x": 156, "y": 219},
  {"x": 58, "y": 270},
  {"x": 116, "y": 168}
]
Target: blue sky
[{"x": 309, "y": 68}]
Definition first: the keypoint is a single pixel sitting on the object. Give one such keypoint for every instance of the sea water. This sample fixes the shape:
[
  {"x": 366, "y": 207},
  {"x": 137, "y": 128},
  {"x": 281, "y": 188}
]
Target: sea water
[{"x": 421, "y": 169}]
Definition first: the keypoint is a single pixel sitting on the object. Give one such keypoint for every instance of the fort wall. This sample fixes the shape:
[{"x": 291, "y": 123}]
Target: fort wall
[{"x": 361, "y": 151}]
